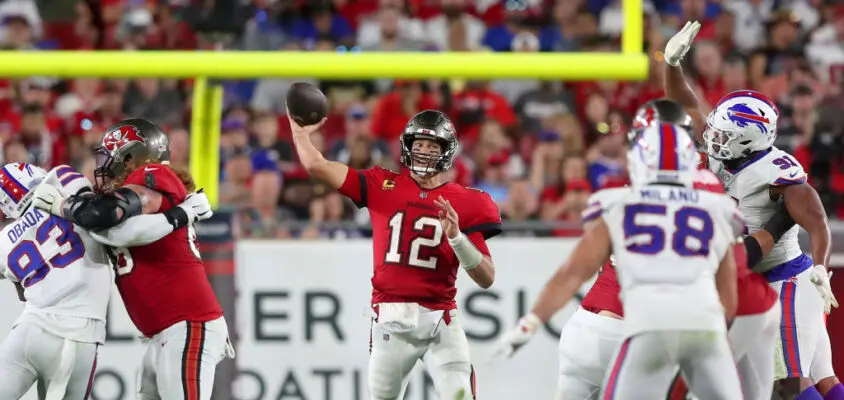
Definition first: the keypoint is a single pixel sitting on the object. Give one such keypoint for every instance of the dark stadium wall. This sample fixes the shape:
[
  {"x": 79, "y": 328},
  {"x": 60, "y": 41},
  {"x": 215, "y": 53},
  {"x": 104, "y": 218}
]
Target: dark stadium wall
[{"x": 217, "y": 248}]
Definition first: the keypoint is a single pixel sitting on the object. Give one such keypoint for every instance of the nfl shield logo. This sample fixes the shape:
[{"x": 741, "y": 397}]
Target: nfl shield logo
[{"x": 423, "y": 195}]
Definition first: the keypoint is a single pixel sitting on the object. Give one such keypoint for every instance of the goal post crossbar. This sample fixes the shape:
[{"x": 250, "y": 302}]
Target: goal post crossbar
[{"x": 207, "y": 67}]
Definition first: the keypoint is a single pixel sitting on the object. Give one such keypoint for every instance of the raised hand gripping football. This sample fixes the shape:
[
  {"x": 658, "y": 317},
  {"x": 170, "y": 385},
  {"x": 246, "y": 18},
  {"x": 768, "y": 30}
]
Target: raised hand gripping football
[
  {"x": 299, "y": 130},
  {"x": 449, "y": 220},
  {"x": 680, "y": 43}
]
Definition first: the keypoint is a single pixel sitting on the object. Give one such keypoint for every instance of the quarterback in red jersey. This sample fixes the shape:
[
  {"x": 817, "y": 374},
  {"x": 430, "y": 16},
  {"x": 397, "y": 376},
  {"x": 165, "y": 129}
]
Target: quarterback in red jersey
[
  {"x": 424, "y": 231},
  {"x": 163, "y": 283}
]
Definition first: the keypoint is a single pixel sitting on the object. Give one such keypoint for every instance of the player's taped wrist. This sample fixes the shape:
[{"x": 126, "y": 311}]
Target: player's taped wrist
[
  {"x": 530, "y": 323},
  {"x": 466, "y": 252},
  {"x": 177, "y": 217}
]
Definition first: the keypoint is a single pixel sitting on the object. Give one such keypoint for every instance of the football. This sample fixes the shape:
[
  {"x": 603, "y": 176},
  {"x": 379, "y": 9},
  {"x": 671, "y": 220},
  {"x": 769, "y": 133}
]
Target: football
[{"x": 306, "y": 104}]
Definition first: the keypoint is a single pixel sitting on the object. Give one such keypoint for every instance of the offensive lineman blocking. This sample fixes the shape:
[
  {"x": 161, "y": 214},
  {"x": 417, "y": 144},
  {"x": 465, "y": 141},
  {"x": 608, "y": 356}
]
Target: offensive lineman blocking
[
  {"x": 65, "y": 275},
  {"x": 163, "y": 283}
]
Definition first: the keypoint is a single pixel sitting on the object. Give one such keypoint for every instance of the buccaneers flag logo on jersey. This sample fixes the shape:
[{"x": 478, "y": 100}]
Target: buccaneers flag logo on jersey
[{"x": 120, "y": 137}]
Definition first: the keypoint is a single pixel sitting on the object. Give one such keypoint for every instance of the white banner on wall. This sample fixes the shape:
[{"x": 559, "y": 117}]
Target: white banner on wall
[{"x": 304, "y": 334}]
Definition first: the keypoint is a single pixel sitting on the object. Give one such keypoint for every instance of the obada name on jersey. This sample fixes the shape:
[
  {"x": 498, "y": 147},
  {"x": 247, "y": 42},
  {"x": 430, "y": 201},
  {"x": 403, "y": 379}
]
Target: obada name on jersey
[
  {"x": 303, "y": 333},
  {"x": 31, "y": 218}
]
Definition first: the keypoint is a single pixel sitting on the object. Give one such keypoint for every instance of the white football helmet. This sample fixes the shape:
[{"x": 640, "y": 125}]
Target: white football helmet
[
  {"x": 743, "y": 122},
  {"x": 18, "y": 182},
  {"x": 662, "y": 153}
]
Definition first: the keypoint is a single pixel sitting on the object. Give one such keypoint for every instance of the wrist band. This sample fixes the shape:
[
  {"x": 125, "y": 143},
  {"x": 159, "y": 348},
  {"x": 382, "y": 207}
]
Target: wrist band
[{"x": 466, "y": 252}]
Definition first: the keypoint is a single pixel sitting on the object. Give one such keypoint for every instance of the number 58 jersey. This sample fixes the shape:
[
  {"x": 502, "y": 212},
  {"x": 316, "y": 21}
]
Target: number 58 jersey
[{"x": 668, "y": 242}]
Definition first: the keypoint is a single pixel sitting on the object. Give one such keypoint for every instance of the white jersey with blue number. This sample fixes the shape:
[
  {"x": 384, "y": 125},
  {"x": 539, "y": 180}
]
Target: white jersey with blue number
[
  {"x": 64, "y": 272},
  {"x": 668, "y": 242},
  {"x": 749, "y": 186}
]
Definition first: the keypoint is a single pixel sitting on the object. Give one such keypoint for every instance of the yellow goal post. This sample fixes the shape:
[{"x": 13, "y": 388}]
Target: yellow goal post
[{"x": 206, "y": 66}]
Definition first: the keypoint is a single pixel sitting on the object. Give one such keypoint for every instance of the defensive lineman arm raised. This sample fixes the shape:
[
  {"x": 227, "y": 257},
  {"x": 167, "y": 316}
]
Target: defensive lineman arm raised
[{"x": 801, "y": 200}]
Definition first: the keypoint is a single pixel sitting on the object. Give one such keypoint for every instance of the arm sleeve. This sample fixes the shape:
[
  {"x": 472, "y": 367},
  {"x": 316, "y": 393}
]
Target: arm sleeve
[
  {"x": 597, "y": 204},
  {"x": 136, "y": 231},
  {"x": 786, "y": 171},
  {"x": 477, "y": 239},
  {"x": 96, "y": 212},
  {"x": 357, "y": 184},
  {"x": 593, "y": 210},
  {"x": 486, "y": 219},
  {"x": 68, "y": 181}
]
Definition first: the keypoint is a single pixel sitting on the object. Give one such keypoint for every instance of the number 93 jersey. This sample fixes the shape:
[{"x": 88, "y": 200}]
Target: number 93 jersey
[
  {"x": 64, "y": 272},
  {"x": 413, "y": 262},
  {"x": 750, "y": 186},
  {"x": 668, "y": 242}
]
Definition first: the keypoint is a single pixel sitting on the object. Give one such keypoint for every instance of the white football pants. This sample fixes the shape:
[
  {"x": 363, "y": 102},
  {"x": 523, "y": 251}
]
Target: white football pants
[
  {"x": 63, "y": 368},
  {"x": 645, "y": 365},
  {"x": 438, "y": 340}
]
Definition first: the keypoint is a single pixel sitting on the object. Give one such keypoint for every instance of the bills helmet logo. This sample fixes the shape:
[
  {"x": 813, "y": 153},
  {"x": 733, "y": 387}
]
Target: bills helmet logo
[
  {"x": 644, "y": 119},
  {"x": 120, "y": 137},
  {"x": 743, "y": 116}
]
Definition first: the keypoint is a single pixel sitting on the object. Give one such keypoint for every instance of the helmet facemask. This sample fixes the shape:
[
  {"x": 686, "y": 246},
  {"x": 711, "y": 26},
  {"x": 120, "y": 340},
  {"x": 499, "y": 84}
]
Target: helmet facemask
[
  {"x": 106, "y": 168},
  {"x": 423, "y": 163},
  {"x": 719, "y": 143}
]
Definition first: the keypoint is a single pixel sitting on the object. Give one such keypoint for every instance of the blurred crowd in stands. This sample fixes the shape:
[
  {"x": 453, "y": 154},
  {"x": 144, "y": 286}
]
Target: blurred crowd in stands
[{"x": 538, "y": 148}]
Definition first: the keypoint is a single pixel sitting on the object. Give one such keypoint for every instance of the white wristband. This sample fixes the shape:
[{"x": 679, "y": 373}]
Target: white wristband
[
  {"x": 466, "y": 252},
  {"x": 530, "y": 322}
]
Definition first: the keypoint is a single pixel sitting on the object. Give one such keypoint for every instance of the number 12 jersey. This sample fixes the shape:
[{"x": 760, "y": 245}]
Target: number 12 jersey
[
  {"x": 668, "y": 242},
  {"x": 413, "y": 261}
]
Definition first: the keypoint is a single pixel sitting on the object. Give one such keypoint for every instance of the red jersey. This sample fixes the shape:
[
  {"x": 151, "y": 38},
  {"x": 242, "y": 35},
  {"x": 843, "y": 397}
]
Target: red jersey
[
  {"x": 164, "y": 282},
  {"x": 755, "y": 296},
  {"x": 603, "y": 296},
  {"x": 413, "y": 261}
]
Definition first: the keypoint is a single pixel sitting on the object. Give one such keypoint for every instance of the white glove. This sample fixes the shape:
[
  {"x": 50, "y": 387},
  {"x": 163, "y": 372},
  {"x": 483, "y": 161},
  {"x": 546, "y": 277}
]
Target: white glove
[
  {"x": 517, "y": 337},
  {"x": 820, "y": 277},
  {"x": 680, "y": 43},
  {"x": 197, "y": 206},
  {"x": 48, "y": 198}
]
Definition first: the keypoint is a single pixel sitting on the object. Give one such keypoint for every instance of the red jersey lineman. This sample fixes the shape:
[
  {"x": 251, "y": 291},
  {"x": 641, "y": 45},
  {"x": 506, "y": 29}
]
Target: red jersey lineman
[
  {"x": 163, "y": 283},
  {"x": 424, "y": 231}
]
